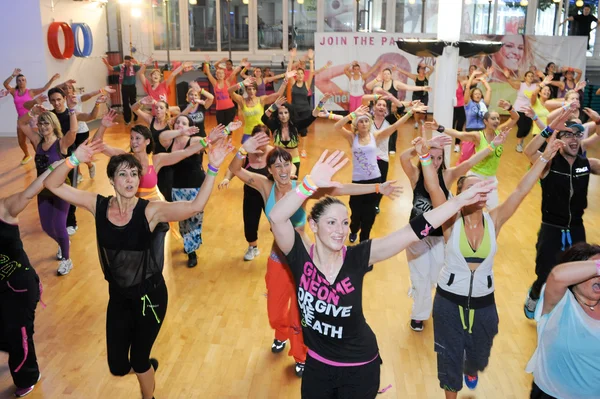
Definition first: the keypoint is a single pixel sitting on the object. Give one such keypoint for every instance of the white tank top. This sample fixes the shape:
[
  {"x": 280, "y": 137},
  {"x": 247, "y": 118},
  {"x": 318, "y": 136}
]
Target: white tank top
[
  {"x": 566, "y": 363},
  {"x": 355, "y": 87},
  {"x": 383, "y": 147},
  {"x": 364, "y": 160},
  {"x": 522, "y": 100}
]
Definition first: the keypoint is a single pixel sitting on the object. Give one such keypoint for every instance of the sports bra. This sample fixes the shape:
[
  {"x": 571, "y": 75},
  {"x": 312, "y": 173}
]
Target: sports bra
[
  {"x": 471, "y": 255},
  {"x": 298, "y": 219},
  {"x": 288, "y": 144},
  {"x": 147, "y": 188}
]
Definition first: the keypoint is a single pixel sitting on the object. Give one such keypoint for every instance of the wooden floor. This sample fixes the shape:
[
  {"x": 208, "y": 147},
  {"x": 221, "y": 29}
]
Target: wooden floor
[{"x": 216, "y": 339}]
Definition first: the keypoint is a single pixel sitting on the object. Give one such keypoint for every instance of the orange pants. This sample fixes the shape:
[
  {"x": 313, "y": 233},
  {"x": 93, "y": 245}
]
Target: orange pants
[{"x": 282, "y": 306}]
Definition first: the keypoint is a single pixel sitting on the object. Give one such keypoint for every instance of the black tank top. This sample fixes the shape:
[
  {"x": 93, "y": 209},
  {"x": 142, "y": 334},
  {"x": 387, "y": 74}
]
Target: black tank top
[
  {"x": 421, "y": 95},
  {"x": 13, "y": 259},
  {"x": 188, "y": 172},
  {"x": 158, "y": 148},
  {"x": 564, "y": 191},
  {"x": 422, "y": 200},
  {"x": 131, "y": 256},
  {"x": 300, "y": 97}
]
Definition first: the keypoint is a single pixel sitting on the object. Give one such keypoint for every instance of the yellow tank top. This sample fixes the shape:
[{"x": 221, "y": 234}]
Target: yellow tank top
[{"x": 252, "y": 116}]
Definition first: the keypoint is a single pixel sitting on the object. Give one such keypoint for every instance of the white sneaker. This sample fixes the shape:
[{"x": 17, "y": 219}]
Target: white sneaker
[
  {"x": 251, "y": 252},
  {"x": 59, "y": 253},
  {"x": 72, "y": 230},
  {"x": 93, "y": 170},
  {"x": 64, "y": 267},
  {"x": 256, "y": 252},
  {"x": 456, "y": 148},
  {"x": 79, "y": 178},
  {"x": 519, "y": 148}
]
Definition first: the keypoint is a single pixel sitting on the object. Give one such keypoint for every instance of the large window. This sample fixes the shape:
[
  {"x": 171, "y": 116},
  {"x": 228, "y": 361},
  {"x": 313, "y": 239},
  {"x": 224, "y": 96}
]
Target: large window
[
  {"x": 510, "y": 18},
  {"x": 303, "y": 23},
  {"x": 544, "y": 22},
  {"x": 270, "y": 24},
  {"x": 203, "y": 25},
  {"x": 408, "y": 16},
  {"x": 477, "y": 17},
  {"x": 234, "y": 25},
  {"x": 165, "y": 14},
  {"x": 339, "y": 15},
  {"x": 372, "y": 15}
]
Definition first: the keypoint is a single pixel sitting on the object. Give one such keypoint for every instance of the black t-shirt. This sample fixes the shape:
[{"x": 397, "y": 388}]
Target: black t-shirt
[
  {"x": 333, "y": 322},
  {"x": 64, "y": 119},
  {"x": 584, "y": 24},
  {"x": 13, "y": 259},
  {"x": 197, "y": 118}
]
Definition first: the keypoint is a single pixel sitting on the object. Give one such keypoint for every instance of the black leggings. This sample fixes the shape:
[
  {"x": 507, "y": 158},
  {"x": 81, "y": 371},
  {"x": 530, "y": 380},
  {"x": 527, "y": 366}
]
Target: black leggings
[
  {"x": 523, "y": 125},
  {"x": 79, "y": 138},
  {"x": 392, "y": 141},
  {"x": 363, "y": 211},
  {"x": 458, "y": 121},
  {"x": 383, "y": 168},
  {"x": 132, "y": 325},
  {"x": 165, "y": 182},
  {"x": 253, "y": 206},
  {"x": 226, "y": 116},
  {"x": 537, "y": 393},
  {"x": 18, "y": 299}
]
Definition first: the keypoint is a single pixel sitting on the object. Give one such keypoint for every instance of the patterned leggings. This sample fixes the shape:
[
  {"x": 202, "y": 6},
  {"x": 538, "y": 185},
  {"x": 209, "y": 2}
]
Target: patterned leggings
[{"x": 190, "y": 229}]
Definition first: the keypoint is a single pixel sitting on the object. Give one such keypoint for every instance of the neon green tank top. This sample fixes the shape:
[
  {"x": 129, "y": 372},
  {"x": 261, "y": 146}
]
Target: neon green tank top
[
  {"x": 471, "y": 255},
  {"x": 252, "y": 116},
  {"x": 489, "y": 166}
]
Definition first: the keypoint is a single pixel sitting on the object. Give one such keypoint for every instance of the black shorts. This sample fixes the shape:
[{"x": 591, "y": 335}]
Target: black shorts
[{"x": 321, "y": 381}]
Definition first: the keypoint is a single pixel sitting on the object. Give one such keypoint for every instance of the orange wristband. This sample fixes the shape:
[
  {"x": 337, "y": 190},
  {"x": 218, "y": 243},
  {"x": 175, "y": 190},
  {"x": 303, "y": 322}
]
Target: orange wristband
[{"x": 376, "y": 188}]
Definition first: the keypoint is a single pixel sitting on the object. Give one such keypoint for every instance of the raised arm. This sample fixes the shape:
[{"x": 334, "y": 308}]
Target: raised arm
[
  {"x": 254, "y": 180},
  {"x": 23, "y": 123},
  {"x": 340, "y": 125},
  {"x": 504, "y": 211},
  {"x": 137, "y": 108},
  {"x": 388, "y": 131},
  {"x": 514, "y": 115},
  {"x": 167, "y": 137},
  {"x": 487, "y": 97},
  {"x": 466, "y": 136},
  {"x": 177, "y": 71},
  {"x": 311, "y": 68},
  {"x": 142, "y": 75},
  {"x": 374, "y": 83},
  {"x": 69, "y": 137},
  {"x": 564, "y": 276},
  {"x": 515, "y": 83},
  {"x": 7, "y": 81},
  {"x": 233, "y": 88},
  {"x": 531, "y": 149},
  {"x": 35, "y": 92},
  {"x": 412, "y": 76},
  {"x": 160, "y": 211},
  {"x": 109, "y": 67},
  {"x": 209, "y": 75},
  {"x": 55, "y": 182}
]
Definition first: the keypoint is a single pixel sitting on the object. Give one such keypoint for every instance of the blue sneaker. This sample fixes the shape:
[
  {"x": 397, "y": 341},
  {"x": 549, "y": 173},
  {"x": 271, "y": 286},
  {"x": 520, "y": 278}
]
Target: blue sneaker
[
  {"x": 471, "y": 381},
  {"x": 353, "y": 237},
  {"x": 530, "y": 305}
]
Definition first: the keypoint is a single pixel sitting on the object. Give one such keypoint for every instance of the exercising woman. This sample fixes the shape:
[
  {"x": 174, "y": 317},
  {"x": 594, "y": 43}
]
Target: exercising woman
[
  {"x": 343, "y": 357},
  {"x": 421, "y": 79},
  {"x": 264, "y": 82},
  {"x": 156, "y": 87},
  {"x": 565, "y": 362},
  {"x": 476, "y": 106},
  {"x": 365, "y": 169},
  {"x": 253, "y": 106},
  {"x": 459, "y": 118},
  {"x": 199, "y": 100},
  {"x": 524, "y": 89},
  {"x": 426, "y": 257},
  {"x": 188, "y": 176},
  {"x": 226, "y": 110},
  {"x": 20, "y": 290},
  {"x": 21, "y": 95},
  {"x": 538, "y": 99},
  {"x": 253, "y": 203},
  {"x": 283, "y": 314},
  {"x": 51, "y": 145},
  {"x": 130, "y": 232},
  {"x": 301, "y": 99},
  {"x": 356, "y": 83},
  {"x": 465, "y": 320}
]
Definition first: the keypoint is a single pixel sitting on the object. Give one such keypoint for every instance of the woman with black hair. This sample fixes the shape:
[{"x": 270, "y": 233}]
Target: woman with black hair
[
  {"x": 284, "y": 123},
  {"x": 421, "y": 79},
  {"x": 343, "y": 357},
  {"x": 565, "y": 362},
  {"x": 130, "y": 232},
  {"x": 281, "y": 300}
]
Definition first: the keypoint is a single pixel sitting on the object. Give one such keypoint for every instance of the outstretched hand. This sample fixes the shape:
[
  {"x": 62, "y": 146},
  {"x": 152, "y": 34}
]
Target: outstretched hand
[
  {"x": 420, "y": 145},
  {"x": 553, "y": 146},
  {"x": 326, "y": 167},
  {"x": 501, "y": 138},
  {"x": 432, "y": 125},
  {"x": 390, "y": 189},
  {"x": 252, "y": 145},
  {"x": 216, "y": 133},
  {"x": 86, "y": 150},
  {"x": 109, "y": 119},
  {"x": 477, "y": 192},
  {"x": 439, "y": 141},
  {"x": 218, "y": 152}
]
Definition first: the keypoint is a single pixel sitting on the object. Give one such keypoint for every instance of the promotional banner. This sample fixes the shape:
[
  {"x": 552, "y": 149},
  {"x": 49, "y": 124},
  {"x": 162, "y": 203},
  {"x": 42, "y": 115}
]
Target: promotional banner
[{"x": 375, "y": 52}]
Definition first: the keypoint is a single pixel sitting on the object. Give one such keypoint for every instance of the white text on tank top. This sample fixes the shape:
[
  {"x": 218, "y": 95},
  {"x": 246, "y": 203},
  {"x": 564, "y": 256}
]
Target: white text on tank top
[
  {"x": 364, "y": 160},
  {"x": 355, "y": 87},
  {"x": 383, "y": 147}
]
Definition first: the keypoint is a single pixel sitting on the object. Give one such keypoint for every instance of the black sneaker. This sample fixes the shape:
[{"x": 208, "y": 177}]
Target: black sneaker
[
  {"x": 192, "y": 259},
  {"x": 277, "y": 346},
  {"x": 353, "y": 237},
  {"x": 154, "y": 363},
  {"x": 416, "y": 325},
  {"x": 299, "y": 369}
]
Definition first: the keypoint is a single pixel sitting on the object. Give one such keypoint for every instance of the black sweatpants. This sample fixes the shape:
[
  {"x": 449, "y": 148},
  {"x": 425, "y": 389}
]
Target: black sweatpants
[
  {"x": 73, "y": 174},
  {"x": 363, "y": 211},
  {"x": 253, "y": 206},
  {"x": 128, "y": 97},
  {"x": 322, "y": 381},
  {"x": 392, "y": 141},
  {"x": 18, "y": 299},
  {"x": 132, "y": 325},
  {"x": 226, "y": 116},
  {"x": 552, "y": 242},
  {"x": 460, "y": 346},
  {"x": 523, "y": 125},
  {"x": 537, "y": 393},
  {"x": 383, "y": 168},
  {"x": 165, "y": 182},
  {"x": 458, "y": 121}
]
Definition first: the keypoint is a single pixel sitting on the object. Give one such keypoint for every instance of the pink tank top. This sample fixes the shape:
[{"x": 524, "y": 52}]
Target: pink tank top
[
  {"x": 222, "y": 97},
  {"x": 460, "y": 95},
  {"x": 148, "y": 181},
  {"x": 20, "y": 102}
]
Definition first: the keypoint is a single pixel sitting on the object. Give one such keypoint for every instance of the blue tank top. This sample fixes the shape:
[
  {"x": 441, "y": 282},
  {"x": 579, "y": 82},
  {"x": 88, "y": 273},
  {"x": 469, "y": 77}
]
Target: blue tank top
[{"x": 298, "y": 219}]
